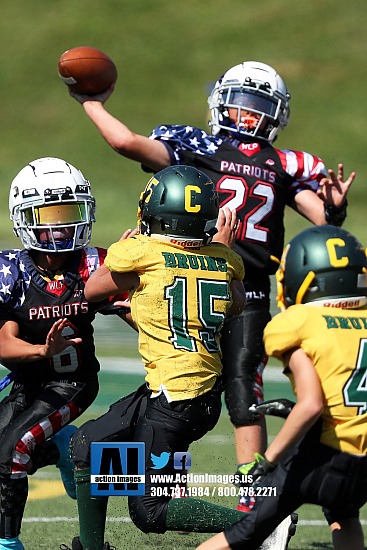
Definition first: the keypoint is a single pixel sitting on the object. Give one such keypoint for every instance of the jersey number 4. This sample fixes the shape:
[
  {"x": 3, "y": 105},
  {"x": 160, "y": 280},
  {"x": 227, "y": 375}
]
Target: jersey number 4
[
  {"x": 355, "y": 390},
  {"x": 211, "y": 320}
]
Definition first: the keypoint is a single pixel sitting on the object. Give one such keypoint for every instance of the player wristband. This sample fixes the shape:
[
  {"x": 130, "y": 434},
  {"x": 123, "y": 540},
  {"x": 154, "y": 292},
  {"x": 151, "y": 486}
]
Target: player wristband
[{"x": 335, "y": 215}]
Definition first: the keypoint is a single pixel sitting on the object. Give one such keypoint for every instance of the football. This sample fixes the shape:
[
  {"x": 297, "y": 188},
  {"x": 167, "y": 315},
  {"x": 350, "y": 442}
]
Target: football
[{"x": 87, "y": 70}]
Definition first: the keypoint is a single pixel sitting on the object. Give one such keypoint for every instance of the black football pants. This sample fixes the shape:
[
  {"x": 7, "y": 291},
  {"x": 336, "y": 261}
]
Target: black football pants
[{"x": 163, "y": 427}]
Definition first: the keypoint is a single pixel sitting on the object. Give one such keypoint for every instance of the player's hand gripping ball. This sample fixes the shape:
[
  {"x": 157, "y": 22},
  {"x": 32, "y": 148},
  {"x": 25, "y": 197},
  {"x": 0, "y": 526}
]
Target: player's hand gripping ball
[{"x": 87, "y": 70}]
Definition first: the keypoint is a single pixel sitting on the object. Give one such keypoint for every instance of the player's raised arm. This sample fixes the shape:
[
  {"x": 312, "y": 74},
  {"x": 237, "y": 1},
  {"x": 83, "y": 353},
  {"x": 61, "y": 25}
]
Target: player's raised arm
[
  {"x": 124, "y": 141},
  {"x": 91, "y": 75},
  {"x": 333, "y": 190}
]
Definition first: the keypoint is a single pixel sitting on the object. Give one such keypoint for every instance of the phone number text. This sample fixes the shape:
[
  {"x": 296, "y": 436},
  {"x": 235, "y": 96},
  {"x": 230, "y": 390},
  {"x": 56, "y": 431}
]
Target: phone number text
[{"x": 212, "y": 491}]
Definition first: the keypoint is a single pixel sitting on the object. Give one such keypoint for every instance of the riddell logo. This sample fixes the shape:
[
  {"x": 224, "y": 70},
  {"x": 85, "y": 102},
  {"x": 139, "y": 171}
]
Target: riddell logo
[
  {"x": 347, "y": 304},
  {"x": 187, "y": 243}
]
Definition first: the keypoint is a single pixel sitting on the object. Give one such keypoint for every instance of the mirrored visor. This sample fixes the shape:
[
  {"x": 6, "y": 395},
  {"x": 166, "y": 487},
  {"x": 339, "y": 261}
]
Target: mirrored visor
[
  {"x": 57, "y": 214},
  {"x": 247, "y": 100}
]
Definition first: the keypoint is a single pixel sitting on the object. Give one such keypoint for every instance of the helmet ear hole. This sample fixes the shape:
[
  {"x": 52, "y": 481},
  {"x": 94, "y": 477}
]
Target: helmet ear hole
[{"x": 163, "y": 197}]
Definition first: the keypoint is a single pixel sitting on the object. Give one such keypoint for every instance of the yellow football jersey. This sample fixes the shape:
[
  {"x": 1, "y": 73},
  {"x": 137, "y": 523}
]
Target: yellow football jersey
[
  {"x": 179, "y": 307},
  {"x": 336, "y": 342}
]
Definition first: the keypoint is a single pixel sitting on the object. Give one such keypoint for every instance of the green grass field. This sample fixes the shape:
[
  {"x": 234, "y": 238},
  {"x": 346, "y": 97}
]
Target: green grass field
[
  {"x": 168, "y": 54},
  {"x": 51, "y": 517}
]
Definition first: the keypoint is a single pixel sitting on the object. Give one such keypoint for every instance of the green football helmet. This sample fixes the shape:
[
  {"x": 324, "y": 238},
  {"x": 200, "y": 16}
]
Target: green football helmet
[
  {"x": 325, "y": 265},
  {"x": 180, "y": 203}
]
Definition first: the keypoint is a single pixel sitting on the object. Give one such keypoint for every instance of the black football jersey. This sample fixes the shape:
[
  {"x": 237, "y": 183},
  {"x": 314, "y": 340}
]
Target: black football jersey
[
  {"x": 36, "y": 301},
  {"x": 252, "y": 177}
]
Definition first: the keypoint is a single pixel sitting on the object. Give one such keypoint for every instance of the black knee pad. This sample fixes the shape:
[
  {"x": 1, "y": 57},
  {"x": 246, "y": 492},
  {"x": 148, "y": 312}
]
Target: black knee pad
[
  {"x": 80, "y": 445},
  {"x": 239, "y": 397},
  {"x": 149, "y": 513},
  {"x": 343, "y": 488}
]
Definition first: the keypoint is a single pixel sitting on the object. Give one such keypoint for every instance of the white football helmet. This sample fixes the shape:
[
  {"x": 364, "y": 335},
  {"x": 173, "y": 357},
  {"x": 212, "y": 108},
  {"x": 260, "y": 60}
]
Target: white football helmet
[
  {"x": 51, "y": 206},
  {"x": 253, "y": 88}
]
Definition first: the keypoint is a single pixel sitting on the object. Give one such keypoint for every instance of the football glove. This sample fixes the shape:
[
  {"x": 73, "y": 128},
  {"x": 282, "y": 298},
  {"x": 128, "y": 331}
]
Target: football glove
[
  {"x": 258, "y": 469},
  {"x": 274, "y": 407}
]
